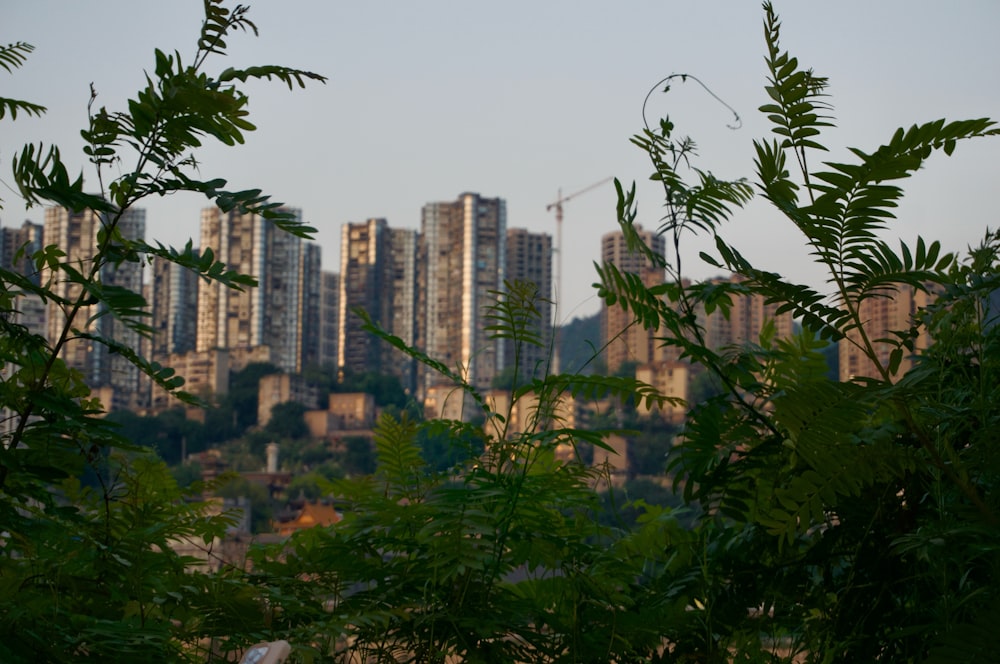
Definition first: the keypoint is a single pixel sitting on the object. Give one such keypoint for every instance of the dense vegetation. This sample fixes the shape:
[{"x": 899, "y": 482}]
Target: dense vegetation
[
  {"x": 822, "y": 520},
  {"x": 86, "y": 567}
]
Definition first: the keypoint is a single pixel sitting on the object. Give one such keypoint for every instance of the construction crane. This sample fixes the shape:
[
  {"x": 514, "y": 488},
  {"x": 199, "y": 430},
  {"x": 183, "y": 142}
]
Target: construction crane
[{"x": 557, "y": 205}]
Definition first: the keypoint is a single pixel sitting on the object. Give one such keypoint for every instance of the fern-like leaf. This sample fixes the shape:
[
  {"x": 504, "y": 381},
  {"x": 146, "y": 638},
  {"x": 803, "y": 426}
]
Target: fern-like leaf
[
  {"x": 12, "y": 107},
  {"x": 854, "y": 201},
  {"x": 400, "y": 465},
  {"x": 12, "y": 56},
  {"x": 797, "y": 109}
]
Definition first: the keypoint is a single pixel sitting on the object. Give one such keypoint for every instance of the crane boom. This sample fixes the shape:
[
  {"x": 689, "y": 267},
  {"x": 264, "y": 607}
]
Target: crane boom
[{"x": 557, "y": 205}]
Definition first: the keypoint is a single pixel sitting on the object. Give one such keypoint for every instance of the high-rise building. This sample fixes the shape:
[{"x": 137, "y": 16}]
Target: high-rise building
[
  {"x": 329, "y": 316},
  {"x": 402, "y": 283},
  {"x": 460, "y": 267},
  {"x": 16, "y": 248},
  {"x": 76, "y": 233},
  {"x": 173, "y": 296},
  {"x": 881, "y": 316},
  {"x": 529, "y": 259},
  {"x": 25, "y": 241},
  {"x": 626, "y": 340},
  {"x": 263, "y": 323},
  {"x": 364, "y": 284},
  {"x": 311, "y": 293},
  {"x": 378, "y": 275}
]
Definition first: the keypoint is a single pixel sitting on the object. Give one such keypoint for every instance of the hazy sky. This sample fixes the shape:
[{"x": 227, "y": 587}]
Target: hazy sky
[{"x": 519, "y": 98}]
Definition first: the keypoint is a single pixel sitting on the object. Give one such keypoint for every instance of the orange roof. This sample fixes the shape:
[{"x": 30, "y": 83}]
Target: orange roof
[{"x": 312, "y": 514}]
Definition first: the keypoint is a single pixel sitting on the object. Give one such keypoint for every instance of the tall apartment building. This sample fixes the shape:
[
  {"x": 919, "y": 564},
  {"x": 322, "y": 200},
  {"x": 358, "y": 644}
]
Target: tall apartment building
[
  {"x": 747, "y": 318},
  {"x": 329, "y": 316},
  {"x": 378, "y": 274},
  {"x": 402, "y": 284},
  {"x": 16, "y": 247},
  {"x": 460, "y": 264},
  {"x": 76, "y": 234},
  {"x": 626, "y": 340},
  {"x": 881, "y": 316},
  {"x": 529, "y": 259},
  {"x": 173, "y": 296},
  {"x": 266, "y": 323},
  {"x": 311, "y": 278},
  {"x": 364, "y": 283},
  {"x": 30, "y": 310}
]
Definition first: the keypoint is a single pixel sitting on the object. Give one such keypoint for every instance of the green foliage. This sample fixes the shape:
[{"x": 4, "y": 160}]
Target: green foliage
[
  {"x": 94, "y": 576},
  {"x": 88, "y": 519},
  {"x": 257, "y": 496},
  {"x": 287, "y": 421},
  {"x": 386, "y": 389},
  {"x": 825, "y": 520},
  {"x": 490, "y": 552},
  {"x": 12, "y": 56},
  {"x": 846, "y": 521},
  {"x": 237, "y": 409},
  {"x": 649, "y": 448},
  {"x": 579, "y": 342},
  {"x": 358, "y": 457}
]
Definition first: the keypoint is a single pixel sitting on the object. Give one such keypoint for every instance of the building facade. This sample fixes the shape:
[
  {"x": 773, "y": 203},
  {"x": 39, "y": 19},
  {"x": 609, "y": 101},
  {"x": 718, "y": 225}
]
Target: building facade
[
  {"x": 311, "y": 278},
  {"x": 76, "y": 233},
  {"x": 329, "y": 317},
  {"x": 625, "y": 340},
  {"x": 276, "y": 314},
  {"x": 749, "y": 315},
  {"x": 881, "y": 316},
  {"x": 460, "y": 268},
  {"x": 529, "y": 260},
  {"x": 173, "y": 296},
  {"x": 403, "y": 289},
  {"x": 16, "y": 248},
  {"x": 276, "y": 389},
  {"x": 364, "y": 284},
  {"x": 206, "y": 375}
]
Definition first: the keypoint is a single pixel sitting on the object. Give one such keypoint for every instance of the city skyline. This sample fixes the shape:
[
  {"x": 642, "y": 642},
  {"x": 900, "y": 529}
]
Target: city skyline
[
  {"x": 431, "y": 288},
  {"x": 524, "y": 100}
]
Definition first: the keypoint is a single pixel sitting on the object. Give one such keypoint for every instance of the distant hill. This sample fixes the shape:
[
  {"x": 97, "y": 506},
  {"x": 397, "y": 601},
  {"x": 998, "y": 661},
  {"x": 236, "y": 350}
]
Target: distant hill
[{"x": 579, "y": 340}]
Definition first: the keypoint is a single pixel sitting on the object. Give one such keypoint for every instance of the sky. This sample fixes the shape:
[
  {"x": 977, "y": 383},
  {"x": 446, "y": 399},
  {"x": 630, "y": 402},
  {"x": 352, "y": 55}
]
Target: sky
[{"x": 521, "y": 99}]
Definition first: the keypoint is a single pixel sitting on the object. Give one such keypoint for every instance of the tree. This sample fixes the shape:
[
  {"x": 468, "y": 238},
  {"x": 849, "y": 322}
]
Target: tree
[
  {"x": 386, "y": 389},
  {"x": 856, "y": 520},
  {"x": 169, "y": 433},
  {"x": 649, "y": 449},
  {"x": 358, "y": 457},
  {"x": 239, "y": 404},
  {"x": 288, "y": 421},
  {"x": 87, "y": 570}
]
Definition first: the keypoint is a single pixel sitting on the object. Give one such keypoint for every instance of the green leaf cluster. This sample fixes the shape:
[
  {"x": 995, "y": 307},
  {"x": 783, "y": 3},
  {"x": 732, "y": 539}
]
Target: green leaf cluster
[
  {"x": 89, "y": 522},
  {"x": 845, "y": 520},
  {"x": 12, "y": 56}
]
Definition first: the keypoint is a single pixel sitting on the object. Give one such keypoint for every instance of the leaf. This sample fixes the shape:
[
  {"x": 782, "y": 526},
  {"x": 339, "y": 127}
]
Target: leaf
[{"x": 799, "y": 110}]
